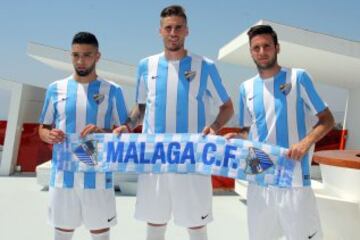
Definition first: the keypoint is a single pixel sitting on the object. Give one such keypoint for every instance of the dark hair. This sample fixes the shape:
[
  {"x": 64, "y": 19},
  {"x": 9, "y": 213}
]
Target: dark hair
[
  {"x": 174, "y": 10},
  {"x": 85, "y": 38},
  {"x": 262, "y": 29}
]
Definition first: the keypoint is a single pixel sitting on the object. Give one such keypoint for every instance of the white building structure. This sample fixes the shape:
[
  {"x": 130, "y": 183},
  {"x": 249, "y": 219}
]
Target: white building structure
[{"x": 25, "y": 106}]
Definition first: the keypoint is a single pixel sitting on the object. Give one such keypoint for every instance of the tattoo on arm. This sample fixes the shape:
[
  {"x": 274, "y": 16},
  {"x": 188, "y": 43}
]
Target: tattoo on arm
[{"x": 136, "y": 116}]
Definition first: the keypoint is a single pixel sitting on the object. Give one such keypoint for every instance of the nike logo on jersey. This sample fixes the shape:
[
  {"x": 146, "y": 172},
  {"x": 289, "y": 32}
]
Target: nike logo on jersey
[
  {"x": 312, "y": 235},
  {"x": 251, "y": 98},
  {"x": 203, "y": 217},
  {"x": 154, "y": 77},
  {"x": 62, "y": 99},
  {"x": 110, "y": 219}
]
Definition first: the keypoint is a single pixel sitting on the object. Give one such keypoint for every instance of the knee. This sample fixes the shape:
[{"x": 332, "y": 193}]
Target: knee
[
  {"x": 197, "y": 227},
  {"x": 98, "y": 231},
  {"x": 64, "y": 230},
  {"x": 157, "y": 225},
  {"x": 63, "y": 234},
  {"x": 100, "y": 234}
]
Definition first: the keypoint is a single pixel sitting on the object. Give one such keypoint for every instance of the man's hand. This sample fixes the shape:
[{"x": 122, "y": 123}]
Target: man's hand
[
  {"x": 232, "y": 135},
  {"x": 212, "y": 129},
  {"x": 243, "y": 134},
  {"x": 225, "y": 113},
  {"x": 298, "y": 150},
  {"x": 322, "y": 127},
  {"x": 53, "y": 136},
  {"x": 121, "y": 129},
  {"x": 90, "y": 128}
]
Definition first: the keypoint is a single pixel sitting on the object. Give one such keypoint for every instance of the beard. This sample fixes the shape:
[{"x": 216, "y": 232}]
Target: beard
[
  {"x": 272, "y": 62},
  {"x": 85, "y": 72},
  {"x": 174, "y": 48}
]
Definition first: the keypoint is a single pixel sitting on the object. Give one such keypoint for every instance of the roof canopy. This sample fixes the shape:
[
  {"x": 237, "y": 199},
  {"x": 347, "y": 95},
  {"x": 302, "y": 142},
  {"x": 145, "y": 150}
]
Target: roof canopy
[
  {"x": 121, "y": 73},
  {"x": 328, "y": 59}
]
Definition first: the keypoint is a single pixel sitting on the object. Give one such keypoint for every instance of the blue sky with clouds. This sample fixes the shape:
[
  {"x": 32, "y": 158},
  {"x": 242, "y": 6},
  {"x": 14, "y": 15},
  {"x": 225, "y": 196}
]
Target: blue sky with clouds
[{"x": 128, "y": 30}]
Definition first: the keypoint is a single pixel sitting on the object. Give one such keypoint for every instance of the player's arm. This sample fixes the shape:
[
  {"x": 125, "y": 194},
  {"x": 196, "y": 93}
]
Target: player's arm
[
  {"x": 135, "y": 118},
  {"x": 226, "y": 111},
  {"x": 136, "y": 115},
  {"x": 324, "y": 125},
  {"x": 47, "y": 131},
  {"x": 51, "y": 135}
]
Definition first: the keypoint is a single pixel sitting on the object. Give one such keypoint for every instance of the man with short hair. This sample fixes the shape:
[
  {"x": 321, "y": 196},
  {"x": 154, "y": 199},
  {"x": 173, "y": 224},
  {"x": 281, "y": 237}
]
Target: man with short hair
[
  {"x": 176, "y": 85},
  {"x": 83, "y": 103},
  {"x": 276, "y": 107}
]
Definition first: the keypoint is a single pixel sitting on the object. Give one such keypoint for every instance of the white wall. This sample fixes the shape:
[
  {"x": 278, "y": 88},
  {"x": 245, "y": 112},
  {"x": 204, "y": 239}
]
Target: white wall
[
  {"x": 25, "y": 105},
  {"x": 353, "y": 120},
  {"x": 335, "y": 97},
  {"x": 5, "y": 102},
  {"x": 32, "y": 101}
]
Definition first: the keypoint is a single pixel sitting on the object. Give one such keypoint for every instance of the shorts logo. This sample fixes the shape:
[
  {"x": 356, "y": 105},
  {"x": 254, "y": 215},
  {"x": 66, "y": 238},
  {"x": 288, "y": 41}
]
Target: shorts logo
[
  {"x": 110, "y": 219},
  {"x": 257, "y": 161},
  {"x": 203, "y": 217},
  {"x": 86, "y": 152},
  {"x": 98, "y": 98}
]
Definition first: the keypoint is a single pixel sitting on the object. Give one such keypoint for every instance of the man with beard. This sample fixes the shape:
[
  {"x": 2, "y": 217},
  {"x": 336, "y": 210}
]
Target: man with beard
[
  {"x": 175, "y": 86},
  {"x": 276, "y": 107},
  {"x": 83, "y": 103}
]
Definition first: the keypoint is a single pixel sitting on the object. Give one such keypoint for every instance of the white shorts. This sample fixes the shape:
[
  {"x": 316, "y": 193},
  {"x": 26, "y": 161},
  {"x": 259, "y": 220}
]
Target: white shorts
[
  {"x": 275, "y": 212},
  {"x": 70, "y": 207},
  {"x": 187, "y": 196}
]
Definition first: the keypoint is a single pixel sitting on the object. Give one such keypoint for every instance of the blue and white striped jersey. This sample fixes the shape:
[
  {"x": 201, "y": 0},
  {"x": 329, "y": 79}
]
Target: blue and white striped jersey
[
  {"x": 71, "y": 106},
  {"x": 177, "y": 93},
  {"x": 280, "y": 110}
]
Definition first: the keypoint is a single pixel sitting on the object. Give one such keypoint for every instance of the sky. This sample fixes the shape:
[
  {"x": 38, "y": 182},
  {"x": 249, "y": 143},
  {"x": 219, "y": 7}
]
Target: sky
[{"x": 128, "y": 30}]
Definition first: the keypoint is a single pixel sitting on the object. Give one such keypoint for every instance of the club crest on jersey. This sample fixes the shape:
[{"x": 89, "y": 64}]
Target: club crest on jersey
[
  {"x": 98, "y": 98},
  {"x": 190, "y": 75},
  {"x": 285, "y": 88},
  {"x": 86, "y": 152},
  {"x": 257, "y": 161}
]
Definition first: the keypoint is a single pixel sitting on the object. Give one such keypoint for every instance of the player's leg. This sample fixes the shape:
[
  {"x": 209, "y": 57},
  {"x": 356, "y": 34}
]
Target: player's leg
[
  {"x": 191, "y": 197},
  {"x": 100, "y": 234},
  {"x": 99, "y": 211},
  {"x": 262, "y": 213},
  {"x": 198, "y": 233},
  {"x": 64, "y": 212},
  {"x": 299, "y": 215},
  {"x": 63, "y": 234},
  {"x": 155, "y": 231},
  {"x": 153, "y": 203}
]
